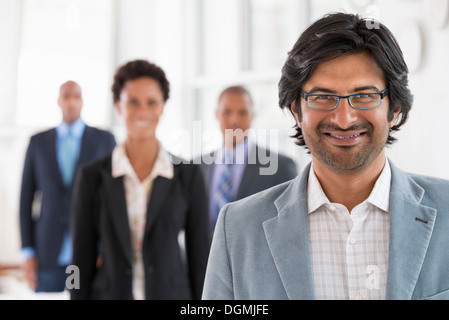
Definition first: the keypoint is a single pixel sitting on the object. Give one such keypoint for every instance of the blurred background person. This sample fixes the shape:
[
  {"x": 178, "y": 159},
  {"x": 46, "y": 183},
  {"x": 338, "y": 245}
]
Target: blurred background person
[
  {"x": 144, "y": 215},
  {"x": 51, "y": 160},
  {"x": 235, "y": 172}
]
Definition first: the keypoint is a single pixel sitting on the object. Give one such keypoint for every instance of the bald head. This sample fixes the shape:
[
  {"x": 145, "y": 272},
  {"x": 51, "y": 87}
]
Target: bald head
[
  {"x": 70, "y": 85},
  {"x": 70, "y": 100}
]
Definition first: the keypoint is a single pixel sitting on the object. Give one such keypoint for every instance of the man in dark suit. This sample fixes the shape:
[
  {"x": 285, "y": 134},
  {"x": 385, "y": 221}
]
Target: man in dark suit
[
  {"x": 251, "y": 167},
  {"x": 51, "y": 161}
]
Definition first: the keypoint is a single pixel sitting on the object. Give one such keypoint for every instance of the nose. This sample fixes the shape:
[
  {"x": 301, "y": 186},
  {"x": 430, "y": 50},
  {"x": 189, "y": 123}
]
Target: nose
[
  {"x": 344, "y": 116},
  {"x": 234, "y": 120}
]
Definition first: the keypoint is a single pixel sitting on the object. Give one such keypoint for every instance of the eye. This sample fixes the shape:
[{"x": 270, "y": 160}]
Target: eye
[
  {"x": 322, "y": 98},
  {"x": 133, "y": 102},
  {"x": 366, "y": 97},
  {"x": 152, "y": 102}
]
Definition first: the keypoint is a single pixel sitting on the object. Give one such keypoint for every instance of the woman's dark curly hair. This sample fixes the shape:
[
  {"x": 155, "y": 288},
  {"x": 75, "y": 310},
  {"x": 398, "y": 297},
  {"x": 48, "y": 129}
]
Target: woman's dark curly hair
[
  {"x": 336, "y": 35},
  {"x": 136, "y": 69}
]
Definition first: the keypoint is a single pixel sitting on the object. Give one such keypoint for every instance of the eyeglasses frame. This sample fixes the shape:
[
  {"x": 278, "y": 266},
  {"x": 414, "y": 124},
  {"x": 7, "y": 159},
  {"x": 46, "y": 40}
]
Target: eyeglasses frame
[{"x": 306, "y": 96}]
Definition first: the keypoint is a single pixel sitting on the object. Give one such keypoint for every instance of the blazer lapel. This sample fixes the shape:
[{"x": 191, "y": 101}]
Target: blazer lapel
[
  {"x": 85, "y": 146},
  {"x": 50, "y": 144},
  {"x": 206, "y": 170},
  {"x": 411, "y": 228},
  {"x": 159, "y": 194},
  {"x": 288, "y": 240},
  {"x": 251, "y": 170},
  {"x": 115, "y": 196}
]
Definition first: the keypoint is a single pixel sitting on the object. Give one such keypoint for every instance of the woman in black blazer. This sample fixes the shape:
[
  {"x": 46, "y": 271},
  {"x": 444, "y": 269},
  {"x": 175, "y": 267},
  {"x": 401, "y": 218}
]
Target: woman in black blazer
[{"x": 139, "y": 221}]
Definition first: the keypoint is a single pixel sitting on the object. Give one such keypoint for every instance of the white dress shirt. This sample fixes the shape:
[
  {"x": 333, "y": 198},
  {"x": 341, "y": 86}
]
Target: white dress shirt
[
  {"x": 137, "y": 196},
  {"x": 349, "y": 250}
]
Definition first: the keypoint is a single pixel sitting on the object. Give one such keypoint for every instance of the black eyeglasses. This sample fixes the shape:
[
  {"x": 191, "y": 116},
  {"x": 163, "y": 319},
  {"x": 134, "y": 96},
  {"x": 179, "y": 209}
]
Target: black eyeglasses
[{"x": 362, "y": 101}]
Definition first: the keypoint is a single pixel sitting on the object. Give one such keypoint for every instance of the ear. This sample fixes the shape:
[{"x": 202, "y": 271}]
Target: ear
[
  {"x": 396, "y": 113},
  {"x": 217, "y": 114},
  {"x": 117, "y": 106},
  {"x": 295, "y": 114}
]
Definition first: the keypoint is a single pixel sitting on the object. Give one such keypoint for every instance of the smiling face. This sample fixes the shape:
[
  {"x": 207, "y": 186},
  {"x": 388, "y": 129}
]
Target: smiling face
[
  {"x": 234, "y": 112},
  {"x": 141, "y": 105},
  {"x": 346, "y": 139}
]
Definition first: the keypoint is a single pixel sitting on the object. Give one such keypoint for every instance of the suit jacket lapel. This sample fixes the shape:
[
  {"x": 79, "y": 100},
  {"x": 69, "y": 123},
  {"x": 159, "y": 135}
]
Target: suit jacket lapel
[
  {"x": 288, "y": 240},
  {"x": 85, "y": 144},
  {"x": 409, "y": 237},
  {"x": 159, "y": 194},
  {"x": 50, "y": 144},
  {"x": 251, "y": 170},
  {"x": 115, "y": 196},
  {"x": 207, "y": 169}
]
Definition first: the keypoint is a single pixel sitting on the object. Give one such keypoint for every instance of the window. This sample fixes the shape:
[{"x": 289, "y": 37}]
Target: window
[
  {"x": 244, "y": 42},
  {"x": 60, "y": 41}
]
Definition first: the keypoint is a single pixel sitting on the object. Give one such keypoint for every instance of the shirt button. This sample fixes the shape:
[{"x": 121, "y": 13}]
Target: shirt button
[
  {"x": 358, "y": 297},
  {"x": 353, "y": 241}
]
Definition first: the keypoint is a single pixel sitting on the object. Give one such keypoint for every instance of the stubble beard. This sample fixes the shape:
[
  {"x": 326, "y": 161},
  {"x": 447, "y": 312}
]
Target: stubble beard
[{"x": 345, "y": 159}]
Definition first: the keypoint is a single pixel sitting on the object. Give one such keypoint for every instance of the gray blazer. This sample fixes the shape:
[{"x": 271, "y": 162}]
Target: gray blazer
[{"x": 260, "y": 248}]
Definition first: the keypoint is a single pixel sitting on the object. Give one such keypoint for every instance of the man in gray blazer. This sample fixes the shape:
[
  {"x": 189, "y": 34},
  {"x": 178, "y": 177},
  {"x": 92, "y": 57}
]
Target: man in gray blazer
[
  {"x": 352, "y": 225},
  {"x": 252, "y": 168}
]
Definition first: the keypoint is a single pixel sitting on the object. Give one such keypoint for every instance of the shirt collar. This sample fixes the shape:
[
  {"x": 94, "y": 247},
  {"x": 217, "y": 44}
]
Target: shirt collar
[
  {"x": 77, "y": 128},
  {"x": 315, "y": 194},
  {"x": 121, "y": 166},
  {"x": 379, "y": 196}
]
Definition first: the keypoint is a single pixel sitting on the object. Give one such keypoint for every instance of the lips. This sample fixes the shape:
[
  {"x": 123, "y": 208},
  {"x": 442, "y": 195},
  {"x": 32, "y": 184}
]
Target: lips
[
  {"x": 345, "y": 139},
  {"x": 142, "y": 123},
  {"x": 342, "y": 137}
]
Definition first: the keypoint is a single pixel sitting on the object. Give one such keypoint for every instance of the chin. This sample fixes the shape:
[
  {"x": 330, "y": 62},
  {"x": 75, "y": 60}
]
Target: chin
[{"x": 141, "y": 135}]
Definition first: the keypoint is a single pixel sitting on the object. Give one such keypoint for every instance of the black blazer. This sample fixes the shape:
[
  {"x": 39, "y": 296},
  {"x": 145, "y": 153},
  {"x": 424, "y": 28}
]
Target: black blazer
[
  {"x": 100, "y": 224},
  {"x": 41, "y": 174}
]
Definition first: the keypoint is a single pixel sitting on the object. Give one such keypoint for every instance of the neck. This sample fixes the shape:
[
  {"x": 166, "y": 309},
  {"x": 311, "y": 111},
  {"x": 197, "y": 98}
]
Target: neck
[
  {"x": 70, "y": 121},
  {"x": 142, "y": 154},
  {"x": 349, "y": 188}
]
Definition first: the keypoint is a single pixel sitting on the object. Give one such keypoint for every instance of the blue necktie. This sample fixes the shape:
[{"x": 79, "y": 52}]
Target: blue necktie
[
  {"x": 69, "y": 157},
  {"x": 223, "y": 194},
  {"x": 67, "y": 170}
]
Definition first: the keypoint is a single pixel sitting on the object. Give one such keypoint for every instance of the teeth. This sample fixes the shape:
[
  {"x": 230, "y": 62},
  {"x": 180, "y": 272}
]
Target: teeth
[
  {"x": 348, "y": 137},
  {"x": 142, "y": 123}
]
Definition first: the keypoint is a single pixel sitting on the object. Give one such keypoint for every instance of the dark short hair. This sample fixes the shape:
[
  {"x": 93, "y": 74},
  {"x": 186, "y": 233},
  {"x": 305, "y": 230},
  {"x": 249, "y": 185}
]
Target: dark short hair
[
  {"x": 336, "y": 35},
  {"x": 136, "y": 69},
  {"x": 236, "y": 89}
]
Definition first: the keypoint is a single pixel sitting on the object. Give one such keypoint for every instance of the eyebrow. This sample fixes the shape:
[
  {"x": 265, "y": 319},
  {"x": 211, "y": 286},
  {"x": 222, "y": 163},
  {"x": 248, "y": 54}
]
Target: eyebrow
[{"x": 358, "y": 89}]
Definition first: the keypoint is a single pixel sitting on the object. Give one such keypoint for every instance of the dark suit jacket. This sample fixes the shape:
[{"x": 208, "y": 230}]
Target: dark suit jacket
[
  {"x": 252, "y": 181},
  {"x": 100, "y": 224},
  {"x": 41, "y": 173}
]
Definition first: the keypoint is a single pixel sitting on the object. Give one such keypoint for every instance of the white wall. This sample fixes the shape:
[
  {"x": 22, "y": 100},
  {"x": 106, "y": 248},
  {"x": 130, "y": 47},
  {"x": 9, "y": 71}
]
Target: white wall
[{"x": 422, "y": 145}]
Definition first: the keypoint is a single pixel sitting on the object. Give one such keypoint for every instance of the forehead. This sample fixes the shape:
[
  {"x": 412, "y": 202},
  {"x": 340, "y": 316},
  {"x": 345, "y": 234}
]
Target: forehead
[
  {"x": 235, "y": 100},
  {"x": 345, "y": 73},
  {"x": 142, "y": 85},
  {"x": 70, "y": 87}
]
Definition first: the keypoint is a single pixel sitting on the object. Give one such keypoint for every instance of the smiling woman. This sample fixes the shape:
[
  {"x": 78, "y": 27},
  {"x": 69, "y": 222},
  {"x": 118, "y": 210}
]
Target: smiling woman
[{"x": 140, "y": 222}]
